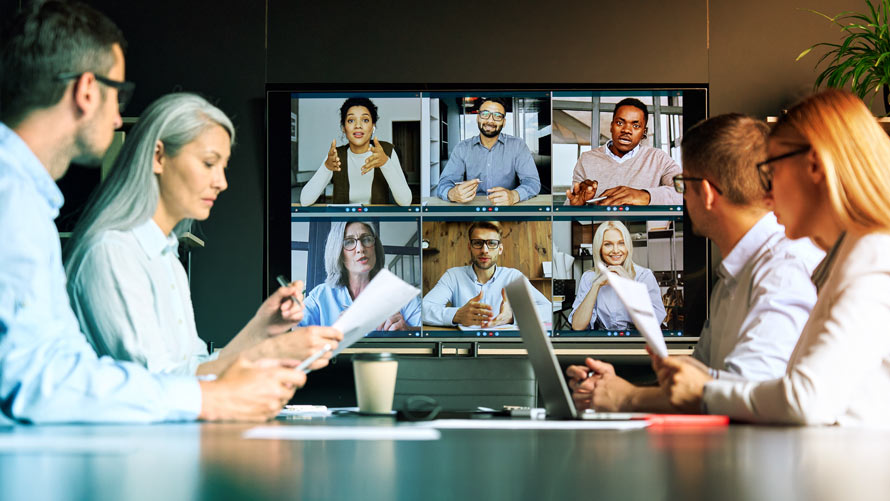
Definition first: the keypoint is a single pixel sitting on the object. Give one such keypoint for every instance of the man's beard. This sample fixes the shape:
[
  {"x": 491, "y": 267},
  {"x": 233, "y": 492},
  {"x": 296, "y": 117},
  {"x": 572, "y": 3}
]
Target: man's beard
[
  {"x": 494, "y": 133},
  {"x": 491, "y": 262}
]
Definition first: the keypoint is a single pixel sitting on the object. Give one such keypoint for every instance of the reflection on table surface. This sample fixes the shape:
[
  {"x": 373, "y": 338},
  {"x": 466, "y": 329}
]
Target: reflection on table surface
[
  {"x": 212, "y": 461},
  {"x": 483, "y": 200}
]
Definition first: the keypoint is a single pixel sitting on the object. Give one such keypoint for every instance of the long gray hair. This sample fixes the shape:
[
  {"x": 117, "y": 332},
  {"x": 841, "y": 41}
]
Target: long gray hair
[
  {"x": 129, "y": 195},
  {"x": 333, "y": 253}
]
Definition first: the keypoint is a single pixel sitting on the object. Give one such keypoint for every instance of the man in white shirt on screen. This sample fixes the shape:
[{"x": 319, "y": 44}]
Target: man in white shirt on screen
[
  {"x": 763, "y": 295},
  {"x": 474, "y": 296}
]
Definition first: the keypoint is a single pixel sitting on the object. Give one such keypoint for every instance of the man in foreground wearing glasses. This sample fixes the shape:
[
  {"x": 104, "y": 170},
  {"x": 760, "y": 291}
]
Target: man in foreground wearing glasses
[
  {"x": 492, "y": 164},
  {"x": 479, "y": 287},
  {"x": 763, "y": 295},
  {"x": 623, "y": 171},
  {"x": 61, "y": 87}
]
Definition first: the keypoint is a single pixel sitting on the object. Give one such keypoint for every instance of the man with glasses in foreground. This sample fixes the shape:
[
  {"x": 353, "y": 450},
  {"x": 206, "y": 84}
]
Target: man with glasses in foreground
[
  {"x": 763, "y": 295},
  {"x": 61, "y": 91},
  {"x": 474, "y": 296},
  {"x": 493, "y": 164}
]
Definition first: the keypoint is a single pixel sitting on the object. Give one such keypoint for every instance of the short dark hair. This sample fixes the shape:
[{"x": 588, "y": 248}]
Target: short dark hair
[
  {"x": 498, "y": 100},
  {"x": 485, "y": 225},
  {"x": 724, "y": 149},
  {"x": 358, "y": 101},
  {"x": 636, "y": 103},
  {"x": 46, "y": 39}
]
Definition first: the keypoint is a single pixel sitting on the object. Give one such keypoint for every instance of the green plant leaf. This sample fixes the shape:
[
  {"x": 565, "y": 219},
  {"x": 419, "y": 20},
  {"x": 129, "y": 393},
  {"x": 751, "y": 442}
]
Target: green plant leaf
[{"x": 804, "y": 53}]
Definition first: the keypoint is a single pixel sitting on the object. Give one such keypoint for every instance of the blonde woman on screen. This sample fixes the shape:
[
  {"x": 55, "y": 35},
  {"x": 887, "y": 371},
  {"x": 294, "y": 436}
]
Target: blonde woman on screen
[
  {"x": 596, "y": 305},
  {"x": 126, "y": 284},
  {"x": 827, "y": 168}
]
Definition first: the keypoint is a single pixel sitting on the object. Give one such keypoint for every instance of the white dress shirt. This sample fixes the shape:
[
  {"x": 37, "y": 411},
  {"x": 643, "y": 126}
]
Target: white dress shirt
[
  {"x": 131, "y": 296},
  {"x": 839, "y": 372},
  {"x": 760, "y": 304}
]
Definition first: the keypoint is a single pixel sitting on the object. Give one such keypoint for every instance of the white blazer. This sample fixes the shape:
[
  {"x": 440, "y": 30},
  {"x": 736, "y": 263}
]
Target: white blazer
[{"x": 839, "y": 372}]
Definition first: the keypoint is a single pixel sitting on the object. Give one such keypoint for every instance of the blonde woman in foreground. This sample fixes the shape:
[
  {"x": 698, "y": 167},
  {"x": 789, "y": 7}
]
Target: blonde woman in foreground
[{"x": 828, "y": 169}]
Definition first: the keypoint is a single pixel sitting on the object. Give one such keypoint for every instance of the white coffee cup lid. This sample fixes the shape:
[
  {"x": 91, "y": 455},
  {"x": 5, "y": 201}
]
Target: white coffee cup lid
[{"x": 373, "y": 357}]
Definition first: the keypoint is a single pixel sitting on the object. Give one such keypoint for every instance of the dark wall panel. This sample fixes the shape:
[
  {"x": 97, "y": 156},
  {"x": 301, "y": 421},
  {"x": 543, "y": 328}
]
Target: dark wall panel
[
  {"x": 469, "y": 41},
  {"x": 216, "y": 50},
  {"x": 753, "y": 48}
]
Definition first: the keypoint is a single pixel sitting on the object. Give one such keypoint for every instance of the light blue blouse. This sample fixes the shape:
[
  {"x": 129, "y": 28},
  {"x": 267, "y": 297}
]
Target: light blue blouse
[
  {"x": 324, "y": 303},
  {"x": 609, "y": 309}
]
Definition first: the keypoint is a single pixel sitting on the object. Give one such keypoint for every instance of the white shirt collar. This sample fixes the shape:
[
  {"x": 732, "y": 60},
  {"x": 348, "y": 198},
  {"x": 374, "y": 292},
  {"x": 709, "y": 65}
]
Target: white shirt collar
[
  {"x": 627, "y": 156},
  {"x": 748, "y": 246},
  {"x": 153, "y": 240}
]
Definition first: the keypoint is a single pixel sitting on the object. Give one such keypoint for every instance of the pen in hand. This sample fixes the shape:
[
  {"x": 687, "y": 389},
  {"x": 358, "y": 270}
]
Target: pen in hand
[
  {"x": 282, "y": 281},
  {"x": 304, "y": 365}
]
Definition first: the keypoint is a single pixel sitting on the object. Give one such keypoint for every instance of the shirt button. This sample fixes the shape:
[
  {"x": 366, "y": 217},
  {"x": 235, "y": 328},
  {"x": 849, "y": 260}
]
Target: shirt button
[
  {"x": 172, "y": 286},
  {"x": 180, "y": 321}
]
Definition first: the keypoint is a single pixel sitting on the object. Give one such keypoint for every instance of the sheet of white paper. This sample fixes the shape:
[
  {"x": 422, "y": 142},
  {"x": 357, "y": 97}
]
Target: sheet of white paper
[
  {"x": 305, "y": 411},
  {"x": 342, "y": 433},
  {"x": 532, "y": 424},
  {"x": 381, "y": 299},
  {"x": 636, "y": 300}
]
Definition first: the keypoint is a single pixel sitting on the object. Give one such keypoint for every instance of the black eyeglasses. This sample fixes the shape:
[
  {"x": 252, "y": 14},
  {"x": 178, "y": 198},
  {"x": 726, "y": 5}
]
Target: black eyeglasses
[
  {"x": 680, "y": 183},
  {"x": 766, "y": 170},
  {"x": 124, "y": 89},
  {"x": 366, "y": 240},
  {"x": 477, "y": 243},
  {"x": 485, "y": 115}
]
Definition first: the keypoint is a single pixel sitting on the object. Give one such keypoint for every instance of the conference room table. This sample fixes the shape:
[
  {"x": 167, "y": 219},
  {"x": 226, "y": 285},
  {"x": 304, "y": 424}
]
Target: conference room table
[{"x": 214, "y": 461}]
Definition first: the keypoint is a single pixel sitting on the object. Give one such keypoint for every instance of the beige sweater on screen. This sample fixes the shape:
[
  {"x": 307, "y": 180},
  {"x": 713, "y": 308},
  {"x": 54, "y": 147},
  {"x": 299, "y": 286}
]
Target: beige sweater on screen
[{"x": 650, "y": 169}]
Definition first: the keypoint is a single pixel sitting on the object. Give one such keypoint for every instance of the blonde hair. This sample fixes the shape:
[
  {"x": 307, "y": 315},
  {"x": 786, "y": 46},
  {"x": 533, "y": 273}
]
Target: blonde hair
[
  {"x": 854, "y": 152},
  {"x": 628, "y": 264}
]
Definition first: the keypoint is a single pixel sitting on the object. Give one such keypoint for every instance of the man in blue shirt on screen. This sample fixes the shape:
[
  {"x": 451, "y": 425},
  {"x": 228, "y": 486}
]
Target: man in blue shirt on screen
[
  {"x": 473, "y": 296},
  {"x": 493, "y": 164},
  {"x": 61, "y": 85},
  {"x": 763, "y": 295}
]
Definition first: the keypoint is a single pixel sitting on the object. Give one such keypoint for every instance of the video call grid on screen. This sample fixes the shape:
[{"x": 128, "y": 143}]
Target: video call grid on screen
[
  {"x": 420, "y": 134},
  {"x": 560, "y": 144}
]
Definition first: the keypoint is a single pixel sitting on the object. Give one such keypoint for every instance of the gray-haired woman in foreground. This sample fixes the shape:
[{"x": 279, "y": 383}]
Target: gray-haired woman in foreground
[{"x": 126, "y": 284}]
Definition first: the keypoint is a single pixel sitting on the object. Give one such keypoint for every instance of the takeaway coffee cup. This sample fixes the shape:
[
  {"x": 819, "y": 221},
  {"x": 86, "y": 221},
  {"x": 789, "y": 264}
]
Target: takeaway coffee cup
[{"x": 375, "y": 381}]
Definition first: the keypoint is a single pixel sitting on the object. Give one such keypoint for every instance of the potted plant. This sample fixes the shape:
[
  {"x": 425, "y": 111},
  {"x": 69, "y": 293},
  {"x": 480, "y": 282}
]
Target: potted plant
[{"x": 862, "y": 58}]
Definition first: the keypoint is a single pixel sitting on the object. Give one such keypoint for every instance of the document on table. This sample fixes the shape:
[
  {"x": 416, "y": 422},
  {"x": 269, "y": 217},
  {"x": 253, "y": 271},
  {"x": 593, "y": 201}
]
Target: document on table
[
  {"x": 381, "y": 299},
  {"x": 636, "y": 300},
  {"x": 532, "y": 424},
  {"x": 311, "y": 432}
]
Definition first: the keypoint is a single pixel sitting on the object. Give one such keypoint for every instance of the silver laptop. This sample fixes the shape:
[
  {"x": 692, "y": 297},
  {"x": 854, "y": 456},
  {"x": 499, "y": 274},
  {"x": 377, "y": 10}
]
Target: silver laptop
[{"x": 557, "y": 399}]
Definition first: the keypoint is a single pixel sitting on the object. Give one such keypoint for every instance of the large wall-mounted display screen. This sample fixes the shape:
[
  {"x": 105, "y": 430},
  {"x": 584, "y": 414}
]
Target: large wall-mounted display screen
[{"x": 460, "y": 190}]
